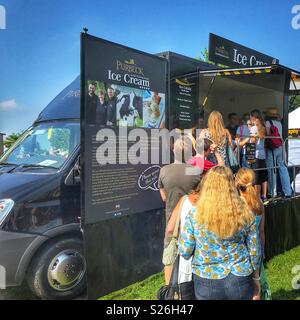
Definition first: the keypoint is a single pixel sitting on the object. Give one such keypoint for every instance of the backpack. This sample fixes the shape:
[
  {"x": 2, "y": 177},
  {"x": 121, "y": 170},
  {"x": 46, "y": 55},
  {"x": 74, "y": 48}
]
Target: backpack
[{"x": 273, "y": 143}]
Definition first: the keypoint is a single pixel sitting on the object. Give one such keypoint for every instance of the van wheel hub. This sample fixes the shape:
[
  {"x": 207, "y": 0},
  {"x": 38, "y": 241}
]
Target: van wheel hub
[{"x": 66, "y": 270}]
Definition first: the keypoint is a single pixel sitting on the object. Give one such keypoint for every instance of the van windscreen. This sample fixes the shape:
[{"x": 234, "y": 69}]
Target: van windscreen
[{"x": 47, "y": 144}]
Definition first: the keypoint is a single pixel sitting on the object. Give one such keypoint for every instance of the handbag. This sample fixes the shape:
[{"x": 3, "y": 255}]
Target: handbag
[
  {"x": 171, "y": 251},
  {"x": 175, "y": 290},
  {"x": 233, "y": 163},
  {"x": 265, "y": 291}
]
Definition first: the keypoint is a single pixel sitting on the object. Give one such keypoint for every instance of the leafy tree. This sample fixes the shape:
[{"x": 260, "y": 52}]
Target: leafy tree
[
  {"x": 11, "y": 139},
  {"x": 60, "y": 139},
  {"x": 294, "y": 103},
  {"x": 204, "y": 56}
]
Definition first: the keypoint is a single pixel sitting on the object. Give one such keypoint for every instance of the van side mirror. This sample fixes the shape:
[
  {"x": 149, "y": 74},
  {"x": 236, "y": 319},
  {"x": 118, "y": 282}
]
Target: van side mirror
[{"x": 73, "y": 178}]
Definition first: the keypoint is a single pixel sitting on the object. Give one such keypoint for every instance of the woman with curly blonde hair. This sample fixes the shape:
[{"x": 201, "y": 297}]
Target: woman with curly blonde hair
[
  {"x": 220, "y": 234},
  {"x": 245, "y": 181},
  {"x": 218, "y": 134}
]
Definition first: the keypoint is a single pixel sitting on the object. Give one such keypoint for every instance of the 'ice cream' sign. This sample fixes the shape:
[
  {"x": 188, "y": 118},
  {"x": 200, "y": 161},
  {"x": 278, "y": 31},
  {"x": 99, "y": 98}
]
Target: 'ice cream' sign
[{"x": 232, "y": 54}]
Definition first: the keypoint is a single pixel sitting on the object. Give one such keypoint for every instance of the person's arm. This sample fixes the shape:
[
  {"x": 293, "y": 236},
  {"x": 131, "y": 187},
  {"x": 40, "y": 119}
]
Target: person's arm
[
  {"x": 202, "y": 133},
  {"x": 229, "y": 137},
  {"x": 172, "y": 221},
  {"x": 251, "y": 241},
  {"x": 256, "y": 280},
  {"x": 244, "y": 141},
  {"x": 187, "y": 242},
  {"x": 162, "y": 191},
  {"x": 219, "y": 159},
  {"x": 262, "y": 231},
  {"x": 163, "y": 194}
]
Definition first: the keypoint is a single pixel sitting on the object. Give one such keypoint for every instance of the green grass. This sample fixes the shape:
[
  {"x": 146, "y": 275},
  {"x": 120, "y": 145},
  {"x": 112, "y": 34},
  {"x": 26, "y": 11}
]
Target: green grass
[
  {"x": 144, "y": 290},
  {"x": 279, "y": 272}
]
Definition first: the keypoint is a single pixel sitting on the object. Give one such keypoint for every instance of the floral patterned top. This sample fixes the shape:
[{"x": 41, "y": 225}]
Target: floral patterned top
[{"x": 215, "y": 258}]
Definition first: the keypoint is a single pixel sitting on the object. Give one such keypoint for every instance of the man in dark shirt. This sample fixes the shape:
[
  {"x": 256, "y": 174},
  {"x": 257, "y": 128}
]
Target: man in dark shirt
[
  {"x": 101, "y": 113},
  {"x": 111, "y": 107},
  {"x": 176, "y": 180},
  {"x": 91, "y": 104}
]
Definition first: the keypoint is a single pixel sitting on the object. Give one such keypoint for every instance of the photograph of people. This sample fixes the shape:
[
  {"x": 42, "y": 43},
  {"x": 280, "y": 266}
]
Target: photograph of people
[
  {"x": 111, "y": 107},
  {"x": 101, "y": 110},
  {"x": 91, "y": 103}
]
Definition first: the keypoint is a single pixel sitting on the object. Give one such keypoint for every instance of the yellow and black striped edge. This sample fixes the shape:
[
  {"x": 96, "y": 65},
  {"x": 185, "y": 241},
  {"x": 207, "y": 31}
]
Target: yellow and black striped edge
[{"x": 241, "y": 72}]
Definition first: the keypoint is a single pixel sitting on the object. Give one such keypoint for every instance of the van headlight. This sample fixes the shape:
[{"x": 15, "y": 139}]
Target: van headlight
[{"x": 5, "y": 207}]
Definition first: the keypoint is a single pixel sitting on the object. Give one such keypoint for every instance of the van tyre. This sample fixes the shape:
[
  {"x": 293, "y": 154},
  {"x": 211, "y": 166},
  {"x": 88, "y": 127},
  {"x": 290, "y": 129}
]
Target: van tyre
[{"x": 58, "y": 270}]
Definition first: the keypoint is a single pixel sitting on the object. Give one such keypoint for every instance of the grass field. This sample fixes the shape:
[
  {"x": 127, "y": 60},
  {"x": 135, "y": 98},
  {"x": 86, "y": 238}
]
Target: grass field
[{"x": 279, "y": 272}]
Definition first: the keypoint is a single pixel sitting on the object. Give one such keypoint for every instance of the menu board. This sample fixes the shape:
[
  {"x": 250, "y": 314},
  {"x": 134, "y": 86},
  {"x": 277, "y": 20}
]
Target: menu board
[{"x": 184, "y": 95}]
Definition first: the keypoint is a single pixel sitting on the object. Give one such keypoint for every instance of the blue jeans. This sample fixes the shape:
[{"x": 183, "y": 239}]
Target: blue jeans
[
  {"x": 245, "y": 164},
  {"x": 230, "y": 288},
  {"x": 275, "y": 158}
]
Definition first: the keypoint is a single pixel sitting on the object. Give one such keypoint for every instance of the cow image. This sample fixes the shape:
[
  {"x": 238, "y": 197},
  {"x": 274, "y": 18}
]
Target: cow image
[{"x": 130, "y": 107}]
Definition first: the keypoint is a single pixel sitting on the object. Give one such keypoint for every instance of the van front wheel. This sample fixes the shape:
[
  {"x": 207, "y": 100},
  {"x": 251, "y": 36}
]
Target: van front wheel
[{"x": 58, "y": 271}]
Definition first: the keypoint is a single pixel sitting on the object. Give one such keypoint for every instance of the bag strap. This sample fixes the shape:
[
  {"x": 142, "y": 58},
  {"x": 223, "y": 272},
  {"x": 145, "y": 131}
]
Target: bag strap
[
  {"x": 242, "y": 130},
  {"x": 176, "y": 229},
  {"x": 175, "y": 271}
]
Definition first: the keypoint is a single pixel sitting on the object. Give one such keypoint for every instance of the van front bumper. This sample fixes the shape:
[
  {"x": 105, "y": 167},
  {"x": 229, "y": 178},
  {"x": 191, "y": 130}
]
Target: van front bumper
[{"x": 13, "y": 249}]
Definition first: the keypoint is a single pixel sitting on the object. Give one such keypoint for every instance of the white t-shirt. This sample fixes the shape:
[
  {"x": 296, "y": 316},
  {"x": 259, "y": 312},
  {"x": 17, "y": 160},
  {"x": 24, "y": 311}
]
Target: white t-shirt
[
  {"x": 277, "y": 124},
  {"x": 185, "y": 266}
]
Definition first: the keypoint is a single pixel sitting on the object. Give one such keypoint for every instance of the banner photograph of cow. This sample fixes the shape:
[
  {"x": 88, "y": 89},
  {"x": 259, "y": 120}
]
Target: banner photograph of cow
[{"x": 110, "y": 105}]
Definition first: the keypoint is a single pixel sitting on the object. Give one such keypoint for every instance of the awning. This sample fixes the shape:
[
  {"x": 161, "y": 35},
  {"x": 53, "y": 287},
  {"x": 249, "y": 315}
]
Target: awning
[
  {"x": 294, "y": 88},
  {"x": 237, "y": 71}
]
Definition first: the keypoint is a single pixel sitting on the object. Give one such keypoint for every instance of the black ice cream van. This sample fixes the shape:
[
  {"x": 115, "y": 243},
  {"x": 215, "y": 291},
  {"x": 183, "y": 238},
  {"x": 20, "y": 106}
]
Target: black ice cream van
[
  {"x": 40, "y": 234},
  {"x": 40, "y": 238}
]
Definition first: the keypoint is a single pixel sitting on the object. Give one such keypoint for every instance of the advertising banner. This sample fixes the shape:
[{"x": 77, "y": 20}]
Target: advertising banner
[
  {"x": 232, "y": 54},
  {"x": 124, "y": 102}
]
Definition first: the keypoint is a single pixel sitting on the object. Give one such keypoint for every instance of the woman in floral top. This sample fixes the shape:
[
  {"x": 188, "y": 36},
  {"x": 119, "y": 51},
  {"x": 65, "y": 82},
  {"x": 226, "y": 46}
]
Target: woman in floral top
[{"x": 220, "y": 234}]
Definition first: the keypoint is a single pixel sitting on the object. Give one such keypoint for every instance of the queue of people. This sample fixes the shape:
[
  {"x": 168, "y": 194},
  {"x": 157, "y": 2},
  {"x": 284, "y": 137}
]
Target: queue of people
[
  {"x": 258, "y": 130},
  {"x": 215, "y": 218}
]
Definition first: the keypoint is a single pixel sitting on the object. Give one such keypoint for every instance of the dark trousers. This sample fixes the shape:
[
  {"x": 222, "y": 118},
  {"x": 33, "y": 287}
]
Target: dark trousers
[{"x": 230, "y": 288}]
